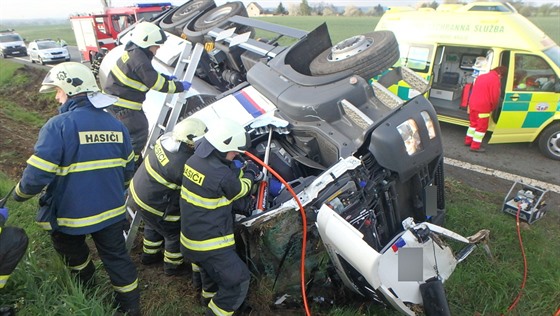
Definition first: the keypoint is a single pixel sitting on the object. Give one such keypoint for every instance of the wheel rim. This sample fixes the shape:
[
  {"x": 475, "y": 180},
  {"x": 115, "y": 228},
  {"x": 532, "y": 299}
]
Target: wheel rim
[
  {"x": 349, "y": 47},
  {"x": 217, "y": 15},
  {"x": 553, "y": 144},
  {"x": 179, "y": 15}
]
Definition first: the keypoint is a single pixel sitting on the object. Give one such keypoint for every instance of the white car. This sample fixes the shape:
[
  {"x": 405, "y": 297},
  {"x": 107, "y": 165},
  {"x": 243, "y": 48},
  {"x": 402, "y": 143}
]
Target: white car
[{"x": 46, "y": 51}]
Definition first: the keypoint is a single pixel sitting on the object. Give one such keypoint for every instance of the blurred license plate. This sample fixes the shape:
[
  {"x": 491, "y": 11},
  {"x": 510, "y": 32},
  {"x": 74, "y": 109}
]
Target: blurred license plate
[{"x": 16, "y": 52}]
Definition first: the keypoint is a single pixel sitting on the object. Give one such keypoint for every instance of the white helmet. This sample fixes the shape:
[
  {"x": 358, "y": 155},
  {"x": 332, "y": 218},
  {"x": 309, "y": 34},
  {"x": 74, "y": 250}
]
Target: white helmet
[
  {"x": 228, "y": 135},
  {"x": 73, "y": 78},
  {"x": 147, "y": 34},
  {"x": 188, "y": 130}
]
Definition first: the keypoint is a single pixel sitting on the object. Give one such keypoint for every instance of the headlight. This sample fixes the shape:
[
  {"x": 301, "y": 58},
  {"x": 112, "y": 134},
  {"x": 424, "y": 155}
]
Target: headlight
[
  {"x": 410, "y": 136},
  {"x": 429, "y": 124}
]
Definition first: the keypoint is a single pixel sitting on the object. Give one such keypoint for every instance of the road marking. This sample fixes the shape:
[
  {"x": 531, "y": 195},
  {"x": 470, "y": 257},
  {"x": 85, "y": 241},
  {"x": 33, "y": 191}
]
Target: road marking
[{"x": 502, "y": 175}]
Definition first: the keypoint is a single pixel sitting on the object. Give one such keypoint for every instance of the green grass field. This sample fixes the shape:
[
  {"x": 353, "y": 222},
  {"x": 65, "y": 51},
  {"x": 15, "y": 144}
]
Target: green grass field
[{"x": 339, "y": 27}]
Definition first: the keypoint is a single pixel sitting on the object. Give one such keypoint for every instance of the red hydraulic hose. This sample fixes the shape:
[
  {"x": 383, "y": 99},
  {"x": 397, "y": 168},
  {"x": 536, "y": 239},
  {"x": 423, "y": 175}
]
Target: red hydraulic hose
[
  {"x": 304, "y": 224},
  {"x": 514, "y": 304}
]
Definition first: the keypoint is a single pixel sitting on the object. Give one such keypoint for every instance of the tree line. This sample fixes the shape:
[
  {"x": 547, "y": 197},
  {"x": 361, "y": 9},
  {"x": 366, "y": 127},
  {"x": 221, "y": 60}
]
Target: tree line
[{"x": 328, "y": 9}]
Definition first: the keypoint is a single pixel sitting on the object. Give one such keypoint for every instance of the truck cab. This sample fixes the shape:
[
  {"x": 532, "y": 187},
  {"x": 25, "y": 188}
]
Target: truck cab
[{"x": 450, "y": 46}]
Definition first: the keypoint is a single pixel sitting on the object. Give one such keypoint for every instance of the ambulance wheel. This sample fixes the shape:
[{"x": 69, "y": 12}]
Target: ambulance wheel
[
  {"x": 549, "y": 141},
  {"x": 175, "y": 20},
  {"x": 367, "y": 55}
]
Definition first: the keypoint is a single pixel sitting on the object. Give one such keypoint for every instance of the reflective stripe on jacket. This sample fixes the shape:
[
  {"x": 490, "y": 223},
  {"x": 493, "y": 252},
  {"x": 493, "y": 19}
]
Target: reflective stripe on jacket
[
  {"x": 132, "y": 77},
  {"x": 84, "y": 156},
  {"x": 208, "y": 191},
  {"x": 156, "y": 185}
]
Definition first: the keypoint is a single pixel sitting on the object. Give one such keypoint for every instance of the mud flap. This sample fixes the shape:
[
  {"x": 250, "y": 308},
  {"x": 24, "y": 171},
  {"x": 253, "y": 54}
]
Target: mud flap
[{"x": 433, "y": 296}]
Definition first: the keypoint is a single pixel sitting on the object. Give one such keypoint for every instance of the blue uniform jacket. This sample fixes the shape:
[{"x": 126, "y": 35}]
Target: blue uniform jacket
[{"x": 84, "y": 158}]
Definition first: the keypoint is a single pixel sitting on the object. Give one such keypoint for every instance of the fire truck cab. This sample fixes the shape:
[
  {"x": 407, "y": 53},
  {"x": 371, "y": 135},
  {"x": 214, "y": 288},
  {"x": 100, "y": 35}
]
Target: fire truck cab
[{"x": 94, "y": 31}]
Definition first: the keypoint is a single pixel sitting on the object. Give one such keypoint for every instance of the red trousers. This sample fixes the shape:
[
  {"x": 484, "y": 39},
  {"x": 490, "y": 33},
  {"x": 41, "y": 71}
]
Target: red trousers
[{"x": 477, "y": 128}]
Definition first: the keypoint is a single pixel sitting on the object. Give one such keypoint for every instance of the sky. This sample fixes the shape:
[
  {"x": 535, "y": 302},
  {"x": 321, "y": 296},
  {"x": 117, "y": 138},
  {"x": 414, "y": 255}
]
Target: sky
[{"x": 33, "y": 9}]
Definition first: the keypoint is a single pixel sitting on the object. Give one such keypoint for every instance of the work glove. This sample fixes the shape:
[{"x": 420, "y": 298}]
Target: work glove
[
  {"x": 252, "y": 169},
  {"x": 3, "y": 215},
  {"x": 186, "y": 85}
]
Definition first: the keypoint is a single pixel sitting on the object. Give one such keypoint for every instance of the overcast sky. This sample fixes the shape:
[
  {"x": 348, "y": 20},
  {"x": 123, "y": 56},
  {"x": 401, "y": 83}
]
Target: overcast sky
[{"x": 32, "y": 9}]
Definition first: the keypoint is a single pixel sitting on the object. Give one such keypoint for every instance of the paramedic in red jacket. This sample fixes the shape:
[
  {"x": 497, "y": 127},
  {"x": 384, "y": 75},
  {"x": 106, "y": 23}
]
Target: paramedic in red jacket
[{"x": 485, "y": 97}]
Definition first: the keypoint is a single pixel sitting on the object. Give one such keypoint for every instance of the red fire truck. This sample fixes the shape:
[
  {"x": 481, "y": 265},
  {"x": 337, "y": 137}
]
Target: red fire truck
[{"x": 94, "y": 31}]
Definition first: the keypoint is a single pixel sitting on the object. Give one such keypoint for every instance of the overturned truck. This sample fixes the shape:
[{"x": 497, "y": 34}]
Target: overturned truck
[{"x": 355, "y": 183}]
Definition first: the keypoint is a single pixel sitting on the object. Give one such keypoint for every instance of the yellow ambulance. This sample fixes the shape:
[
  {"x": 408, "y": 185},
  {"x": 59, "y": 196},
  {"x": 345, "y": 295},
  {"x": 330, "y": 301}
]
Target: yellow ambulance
[{"x": 449, "y": 46}]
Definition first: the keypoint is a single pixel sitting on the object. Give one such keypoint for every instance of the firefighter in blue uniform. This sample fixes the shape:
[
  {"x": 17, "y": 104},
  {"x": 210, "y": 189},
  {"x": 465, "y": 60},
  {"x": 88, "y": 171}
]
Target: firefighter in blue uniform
[
  {"x": 84, "y": 158},
  {"x": 211, "y": 187},
  {"x": 155, "y": 192},
  {"x": 132, "y": 77}
]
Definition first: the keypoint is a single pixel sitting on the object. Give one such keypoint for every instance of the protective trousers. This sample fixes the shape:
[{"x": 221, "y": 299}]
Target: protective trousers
[
  {"x": 111, "y": 248},
  {"x": 477, "y": 128},
  {"x": 225, "y": 279},
  {"x": 158, "y": 231},
  {"x": 137, "y": 124},
  {"x": 13, "y": 243}
]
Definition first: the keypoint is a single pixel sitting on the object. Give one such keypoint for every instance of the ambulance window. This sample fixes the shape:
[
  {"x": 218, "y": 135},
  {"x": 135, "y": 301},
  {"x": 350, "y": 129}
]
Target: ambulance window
[
  {"x": 418, "y": 58},
  {"x": 531, "y": 73}
]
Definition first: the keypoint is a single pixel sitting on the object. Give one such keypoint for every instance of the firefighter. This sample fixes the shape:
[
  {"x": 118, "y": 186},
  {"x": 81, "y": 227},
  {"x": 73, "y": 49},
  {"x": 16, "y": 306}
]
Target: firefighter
[
  {"x": 132, "y": 77},
  {"x": 211, "y": 185},
  {"x": 13, "y": 243},
  {"x": 484, "y": 98},
  {"x": 155, "y": 191},
  {"x": 84, "y": 158}
]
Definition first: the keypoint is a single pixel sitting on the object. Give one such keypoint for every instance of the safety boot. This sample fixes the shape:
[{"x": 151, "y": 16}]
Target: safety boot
[
  {"x": 170, "y": 269},
  {"x": 149, "y": 259}
]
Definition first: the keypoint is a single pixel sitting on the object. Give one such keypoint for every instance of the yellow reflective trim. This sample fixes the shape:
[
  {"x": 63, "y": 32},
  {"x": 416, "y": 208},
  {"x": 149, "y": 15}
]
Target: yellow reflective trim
[
  {"x": 159, "y": 83},
  {"x": 42, "y": 164},
  {"x": 195, "y": 267},
  {"x": 81, "y": 266},
  {"x": 173, "y": 255},
  {"x": 173, "y": 261},
  {"x": 143, "y": 205},
  {"x": 131, "y": 105},
  {"x": 21, "y": 194},
  {"x": 218, "y": 311},
  {"x": 150, "y": 243},
  {"x": 210, "y": 204},
  {"x": 172, "y": 87},
  {"x": 208, "y": 244},
  {"x": 45, "y": 225},
  {"x": 91, "y": 165},
  {"x": 207, "y": 294},
  {"x": 156, "y": 176},
  {"x": 245, "y": 188},
  {"x": 483, "y": 115},
  {"x": 172, "y": 218},
  {"x": 150, "y": 251},
  {"x": 127, "y": 288},
  {"x": 91, "y": 220},
  {"x": 3, "y": 280},
  {"x": 130, "y": 157},
  {"x": 137, "y": 85}
]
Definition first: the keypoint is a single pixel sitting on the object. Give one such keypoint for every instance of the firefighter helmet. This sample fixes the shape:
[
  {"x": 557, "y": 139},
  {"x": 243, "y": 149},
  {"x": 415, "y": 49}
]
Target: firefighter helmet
[
  {"x": 188, "y": 130},
  {"x": 228, "y": 135},
  {"x": 73, "y": 78},
  {"x": 147, "y": 34}
]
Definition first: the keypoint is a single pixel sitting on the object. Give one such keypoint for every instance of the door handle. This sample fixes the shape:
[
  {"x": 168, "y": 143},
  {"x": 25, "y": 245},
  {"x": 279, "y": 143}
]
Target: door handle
[{"x": 514, "y": 97}]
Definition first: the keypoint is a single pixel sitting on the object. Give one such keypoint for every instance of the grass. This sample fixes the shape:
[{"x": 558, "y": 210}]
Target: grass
[
  {"x": 41, "y": 285},
  {"x": 339, "y": 27}
]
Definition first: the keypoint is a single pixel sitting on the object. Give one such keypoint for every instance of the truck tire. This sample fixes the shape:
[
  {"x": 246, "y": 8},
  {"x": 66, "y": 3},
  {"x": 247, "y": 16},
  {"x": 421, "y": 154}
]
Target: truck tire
[
  {"x": 367, "y": 55},
  {"x": 217, "y": 16},
  {"x": 549, "y": 141},
  {"x": 175, "y": 20}
]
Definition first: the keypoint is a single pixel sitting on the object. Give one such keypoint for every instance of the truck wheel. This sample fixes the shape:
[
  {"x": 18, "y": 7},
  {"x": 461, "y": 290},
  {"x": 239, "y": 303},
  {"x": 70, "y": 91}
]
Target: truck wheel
[
  {"x": 217, "y": 16},
  {"x": 549, "y": 141},
  {"x": 367, "y": 55},
  {"x": 175, "y": 20}
]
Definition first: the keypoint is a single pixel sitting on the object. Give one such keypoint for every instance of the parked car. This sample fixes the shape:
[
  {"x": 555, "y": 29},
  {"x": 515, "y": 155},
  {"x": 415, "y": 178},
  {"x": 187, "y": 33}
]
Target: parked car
[
  {"x": 46, "y": 51},
  {"x": 11, "y": 44}
]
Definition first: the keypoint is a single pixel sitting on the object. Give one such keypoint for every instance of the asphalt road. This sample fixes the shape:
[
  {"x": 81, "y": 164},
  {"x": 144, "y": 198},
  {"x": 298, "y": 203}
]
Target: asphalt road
[{"x": 74, "y": 56}]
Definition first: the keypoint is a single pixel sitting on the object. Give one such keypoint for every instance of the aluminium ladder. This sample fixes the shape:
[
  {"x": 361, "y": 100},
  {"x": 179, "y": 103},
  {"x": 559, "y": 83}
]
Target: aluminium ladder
[{"x": 168, "y": 117}]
